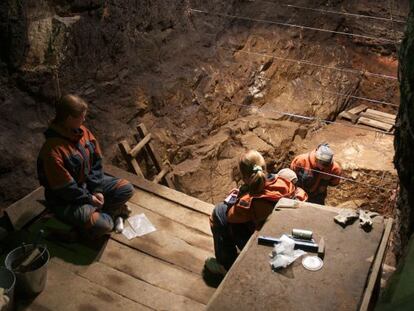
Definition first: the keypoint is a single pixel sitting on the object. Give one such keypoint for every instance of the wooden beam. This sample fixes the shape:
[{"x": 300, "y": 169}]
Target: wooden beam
[
  {"x": 349, "y": 116},
  {"x": 160, "y": 175},
  {"x": 358, "y": 109},
  {"x": 161, "y": 191},
  {"x": 376, "y": 124},
  {"x": 134, "y": 151},
  {"x": 377, "y": 118},
  {"x": 132, "y": 162},
  {"x": 376, "y": 267},
  {"x": 382, "y": 114},
  {"x": 26, "y": 209}
]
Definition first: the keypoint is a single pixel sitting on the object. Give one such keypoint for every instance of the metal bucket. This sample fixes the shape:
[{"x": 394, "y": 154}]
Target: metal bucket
[
  {"x": 8, "y": 281},
  {"x": 31, "y": 282}
]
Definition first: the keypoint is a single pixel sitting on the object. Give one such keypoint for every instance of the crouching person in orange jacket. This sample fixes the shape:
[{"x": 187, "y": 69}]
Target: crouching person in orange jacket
[
  {"x": 316, "y": 170},
  {"x": 290, "y": 175},
  {"x": 245, "y": 210},
  {"x": 70, "y": 169}
]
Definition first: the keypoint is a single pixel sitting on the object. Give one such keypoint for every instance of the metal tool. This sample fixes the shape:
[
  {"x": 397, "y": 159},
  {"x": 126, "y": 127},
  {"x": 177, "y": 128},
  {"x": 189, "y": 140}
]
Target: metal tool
[{"x": 309, "y": 246}]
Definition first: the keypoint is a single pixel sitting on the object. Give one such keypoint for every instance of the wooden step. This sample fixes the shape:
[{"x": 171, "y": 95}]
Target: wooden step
[
  {"x": 164, "y": 245},
  {"x": 67, "y": 291},
  {"x": 138, "y": 290},
  {"x": 173, "y": 211},
  {"x": 156, "y": 272}
]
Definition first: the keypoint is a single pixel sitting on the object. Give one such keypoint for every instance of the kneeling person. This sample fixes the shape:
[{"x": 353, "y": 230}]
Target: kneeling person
[{"x": 232, "y": 223}]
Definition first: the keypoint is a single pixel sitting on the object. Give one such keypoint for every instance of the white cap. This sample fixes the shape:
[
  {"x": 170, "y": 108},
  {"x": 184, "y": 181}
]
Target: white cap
[
  {"x": 324, "y": 153},
  {"x": 288, "y": 174}
]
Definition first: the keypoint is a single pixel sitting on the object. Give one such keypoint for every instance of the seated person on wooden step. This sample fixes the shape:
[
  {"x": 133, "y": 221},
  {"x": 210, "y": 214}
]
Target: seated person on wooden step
[
  {"x": 290, "y": 175},
  {"x": 244, "y": 210},
  {"x": 316, "y": 170},
  {"x": 70, "y": 169}
]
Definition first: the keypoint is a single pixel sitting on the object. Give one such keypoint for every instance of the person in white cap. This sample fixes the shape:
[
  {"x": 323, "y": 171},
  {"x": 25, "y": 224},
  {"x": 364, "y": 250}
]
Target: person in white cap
[
  {"x": 290, "y": 175},
  {"x": 316, "y": 170}
]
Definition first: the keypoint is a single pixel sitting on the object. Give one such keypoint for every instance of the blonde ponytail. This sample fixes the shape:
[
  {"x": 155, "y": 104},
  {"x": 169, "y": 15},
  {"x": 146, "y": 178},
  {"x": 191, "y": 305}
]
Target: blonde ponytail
[{"x": 252, "y": 168}]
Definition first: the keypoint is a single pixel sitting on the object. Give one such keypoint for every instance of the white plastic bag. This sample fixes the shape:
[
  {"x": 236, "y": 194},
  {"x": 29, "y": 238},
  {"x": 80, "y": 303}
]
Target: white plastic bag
[
  {"x": 284, "y": 253},
  {"x": 139, "y": 225}
]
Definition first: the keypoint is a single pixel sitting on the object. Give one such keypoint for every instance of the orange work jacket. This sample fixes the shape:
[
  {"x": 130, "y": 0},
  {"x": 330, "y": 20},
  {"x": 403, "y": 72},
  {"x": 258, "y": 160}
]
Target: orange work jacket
[
  {"x": 256, "y": 207},
  {"x": 311, "y": 181}
]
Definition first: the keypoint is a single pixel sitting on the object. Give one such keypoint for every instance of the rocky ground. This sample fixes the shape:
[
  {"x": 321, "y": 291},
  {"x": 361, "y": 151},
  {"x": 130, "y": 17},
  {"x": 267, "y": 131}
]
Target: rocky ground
[{"x": 207, "y": 86}]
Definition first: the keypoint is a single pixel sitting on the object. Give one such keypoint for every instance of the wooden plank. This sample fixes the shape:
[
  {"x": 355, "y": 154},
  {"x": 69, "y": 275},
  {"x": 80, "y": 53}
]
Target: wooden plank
[
  {"x": 232, "y": 272},
  {"x": 161, "y": 191},
  {"x": 172, "y": 211},
  {"x": 358, "y": 109},
  {"x": 375, "y": 271},
  {"x": 189, "y": 235},
  {"x": 156, "y": 272},
  {"x": 137, "y": 290},
  {"x": 382, "y": 114},
  {"x": 164, "y": 245},
  {"x": 132, "y": 162},
  {"x": 376, "y": 124},
  {"x": 134, "y": 151},
  {"x": 348, "y": 116},
  {"x": 377, "y": 118},
  {"x": 289, "y": 203},
  {"x": 26, "y": 209},
  {"x": 66, "y": 291}
]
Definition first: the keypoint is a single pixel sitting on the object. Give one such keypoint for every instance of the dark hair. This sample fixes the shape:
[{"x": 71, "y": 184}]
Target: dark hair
[{"x": 69, "y": 105}]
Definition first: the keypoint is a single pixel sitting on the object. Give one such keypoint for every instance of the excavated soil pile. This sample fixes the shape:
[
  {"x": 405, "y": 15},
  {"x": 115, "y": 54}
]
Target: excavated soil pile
[{"x": 209, "y": 80}]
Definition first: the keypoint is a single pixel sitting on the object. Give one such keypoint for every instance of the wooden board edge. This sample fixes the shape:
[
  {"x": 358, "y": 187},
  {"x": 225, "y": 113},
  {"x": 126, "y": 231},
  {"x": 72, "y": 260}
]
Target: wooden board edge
[
  {"x": 373, "y": 277},
  {"x": 162, "y": 191},
  {"x": 252, "y": 239},
  {"x": 22, "y": 219}
]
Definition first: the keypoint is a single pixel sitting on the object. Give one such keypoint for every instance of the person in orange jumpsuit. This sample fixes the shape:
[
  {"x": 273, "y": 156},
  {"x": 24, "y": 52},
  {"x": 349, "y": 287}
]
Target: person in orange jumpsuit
[
  {"x": 244, "y": 210},
  {"x": 316, "y": 170}
]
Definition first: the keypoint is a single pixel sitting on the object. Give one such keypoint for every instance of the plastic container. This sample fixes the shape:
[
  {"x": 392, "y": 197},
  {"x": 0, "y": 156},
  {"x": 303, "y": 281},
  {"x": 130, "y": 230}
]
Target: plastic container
[
  {"x": 32, "y": 282},
  {"x": 8, "y": 282}
]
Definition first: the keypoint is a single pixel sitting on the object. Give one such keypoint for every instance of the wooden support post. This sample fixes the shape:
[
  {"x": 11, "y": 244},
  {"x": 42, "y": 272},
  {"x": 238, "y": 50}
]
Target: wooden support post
[{"x": 132, "y": 162}]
